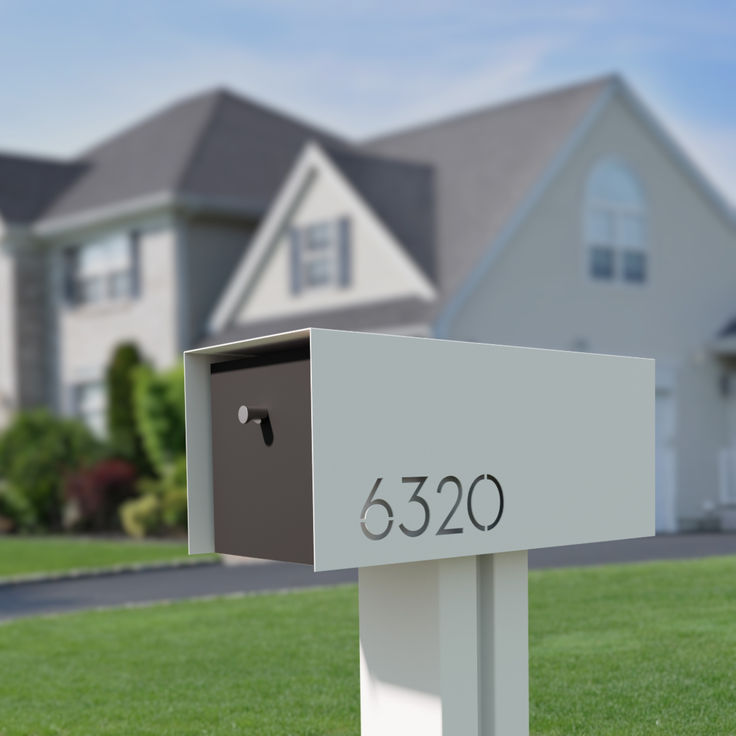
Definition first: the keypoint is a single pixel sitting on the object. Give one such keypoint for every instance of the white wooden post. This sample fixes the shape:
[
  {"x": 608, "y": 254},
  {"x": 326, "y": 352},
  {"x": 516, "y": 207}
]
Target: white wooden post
[{"x": 444, "y": 647}]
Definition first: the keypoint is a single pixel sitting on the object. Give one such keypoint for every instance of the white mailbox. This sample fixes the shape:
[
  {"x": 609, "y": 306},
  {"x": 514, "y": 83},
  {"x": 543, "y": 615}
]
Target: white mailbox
[{"x": 347, "y": 449}]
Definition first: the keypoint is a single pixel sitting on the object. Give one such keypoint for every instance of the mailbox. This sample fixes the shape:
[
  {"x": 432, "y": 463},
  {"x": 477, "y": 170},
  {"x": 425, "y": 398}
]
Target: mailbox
[
  {"x": 379, "y": 449},
  {"x": 432, "y": 466}
]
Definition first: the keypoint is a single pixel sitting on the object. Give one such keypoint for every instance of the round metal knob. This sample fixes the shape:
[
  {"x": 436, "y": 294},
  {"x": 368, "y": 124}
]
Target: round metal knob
[{"x": 250, "y": 414}]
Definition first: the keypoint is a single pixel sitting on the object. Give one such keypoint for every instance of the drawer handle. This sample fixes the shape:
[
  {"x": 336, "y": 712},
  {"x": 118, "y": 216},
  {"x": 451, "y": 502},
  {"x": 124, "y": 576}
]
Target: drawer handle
[
  {"x": 249, "y": 414},
  {"x": 257, "y": 416}
]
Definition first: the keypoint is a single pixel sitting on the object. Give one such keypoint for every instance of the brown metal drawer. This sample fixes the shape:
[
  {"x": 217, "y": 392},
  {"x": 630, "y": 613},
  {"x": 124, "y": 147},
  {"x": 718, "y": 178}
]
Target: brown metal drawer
[{"x": 262, "y": 473}]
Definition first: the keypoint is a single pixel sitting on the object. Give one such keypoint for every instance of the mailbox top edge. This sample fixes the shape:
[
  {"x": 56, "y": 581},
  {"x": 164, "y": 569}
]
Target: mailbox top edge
[{"x": 260, "y": 344}]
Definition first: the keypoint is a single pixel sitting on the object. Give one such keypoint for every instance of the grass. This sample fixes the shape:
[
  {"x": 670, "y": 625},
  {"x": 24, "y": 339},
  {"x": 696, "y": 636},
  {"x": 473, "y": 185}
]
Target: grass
[
  {"x": 35, "y": 555},
  {"x": 261, "y": 665},
  {"x": 638, "y": 649}
]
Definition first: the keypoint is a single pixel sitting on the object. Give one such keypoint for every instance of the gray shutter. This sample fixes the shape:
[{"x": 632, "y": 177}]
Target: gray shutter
[
  {"x": 135, "y": 263},
  {"x": 344, "y": 250},
  {"x": 70, "y": 259},
  {"x": 296, "y": 261}
]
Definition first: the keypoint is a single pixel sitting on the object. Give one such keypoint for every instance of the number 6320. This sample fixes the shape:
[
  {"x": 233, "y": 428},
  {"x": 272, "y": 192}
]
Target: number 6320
[{"x": 483, "y": 483}]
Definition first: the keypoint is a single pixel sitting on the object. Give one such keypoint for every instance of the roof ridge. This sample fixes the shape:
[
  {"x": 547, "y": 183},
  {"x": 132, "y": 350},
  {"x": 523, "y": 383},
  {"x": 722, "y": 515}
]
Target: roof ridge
[
  {"x": 200, "y": 138},
  {"x": 290, "y": 117},
  {"x": 603, "y": 79},
  {"x": 89, "y": 153}
]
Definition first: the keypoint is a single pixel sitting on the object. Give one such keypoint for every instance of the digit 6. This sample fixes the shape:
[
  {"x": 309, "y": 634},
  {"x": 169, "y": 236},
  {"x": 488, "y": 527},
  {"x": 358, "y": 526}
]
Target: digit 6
[{"x": 376, "y": 502}]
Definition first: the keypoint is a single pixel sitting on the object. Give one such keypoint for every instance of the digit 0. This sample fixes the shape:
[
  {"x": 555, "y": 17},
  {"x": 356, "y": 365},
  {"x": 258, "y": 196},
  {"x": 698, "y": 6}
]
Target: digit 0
[{"x": 471, "y": 514}]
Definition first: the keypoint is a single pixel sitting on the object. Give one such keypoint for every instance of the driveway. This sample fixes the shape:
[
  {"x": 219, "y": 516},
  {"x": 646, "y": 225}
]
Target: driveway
[{"x": 142, "y": 587}]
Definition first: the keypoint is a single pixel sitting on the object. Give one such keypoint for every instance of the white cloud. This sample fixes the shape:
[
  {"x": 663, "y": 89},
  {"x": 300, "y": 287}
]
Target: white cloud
[
  {"x": 369, "y": 89},
  {"x": 358, "y": 98}
]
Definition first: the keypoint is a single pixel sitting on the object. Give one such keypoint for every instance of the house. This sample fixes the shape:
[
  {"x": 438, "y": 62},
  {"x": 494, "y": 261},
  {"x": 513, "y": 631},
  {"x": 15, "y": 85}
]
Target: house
[
  {"x": 134, "y": 240},
  {"x": 569, "y": 220}
]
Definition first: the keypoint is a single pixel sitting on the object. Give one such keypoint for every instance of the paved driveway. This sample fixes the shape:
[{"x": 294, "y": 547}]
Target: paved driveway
[{"x": 59, "y": 596}]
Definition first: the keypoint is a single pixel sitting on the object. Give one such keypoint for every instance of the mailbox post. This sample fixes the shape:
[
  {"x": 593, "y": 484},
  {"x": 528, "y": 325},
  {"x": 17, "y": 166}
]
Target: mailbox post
[{"x": 432, "y": 466}]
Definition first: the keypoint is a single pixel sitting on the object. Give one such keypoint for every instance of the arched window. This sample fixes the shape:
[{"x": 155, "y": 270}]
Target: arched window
[{"x": 615, "y": 224}]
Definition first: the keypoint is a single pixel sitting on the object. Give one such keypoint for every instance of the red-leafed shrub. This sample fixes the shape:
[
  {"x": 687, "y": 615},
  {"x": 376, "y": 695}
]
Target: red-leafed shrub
[{"x": 94, "y": 494}]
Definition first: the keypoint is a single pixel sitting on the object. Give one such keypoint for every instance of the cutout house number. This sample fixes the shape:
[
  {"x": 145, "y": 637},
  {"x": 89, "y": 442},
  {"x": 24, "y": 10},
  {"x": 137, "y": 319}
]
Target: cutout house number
[{"x": 449, "y": 484}]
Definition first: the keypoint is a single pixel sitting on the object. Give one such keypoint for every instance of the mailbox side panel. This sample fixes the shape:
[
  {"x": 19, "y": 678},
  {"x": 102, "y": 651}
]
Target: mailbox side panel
[
  {"x": 426, "y": 449},
  {"x": 200, "y": 522}
]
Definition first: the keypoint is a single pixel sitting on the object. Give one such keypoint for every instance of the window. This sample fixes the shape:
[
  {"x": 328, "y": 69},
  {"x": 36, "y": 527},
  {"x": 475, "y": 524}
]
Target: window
[
  {"x": 615, "y": 224},
  {"x": 103, "y": 270},
  {"x": 320, "y": 256},
  {"x": 89, "y": 405}
]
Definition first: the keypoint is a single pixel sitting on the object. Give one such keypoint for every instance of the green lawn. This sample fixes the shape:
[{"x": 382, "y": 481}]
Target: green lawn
[
  {"x": 33, "y": 555},
  {"x": 639, "y": 649}
]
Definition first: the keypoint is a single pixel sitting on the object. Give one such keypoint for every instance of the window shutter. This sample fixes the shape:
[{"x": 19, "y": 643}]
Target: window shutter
[
  {"x": 70, "y": 259},
  {"x": 296, "y": 261},
  {"x": 344, "y": 250},
  {"x": 135, "y": 263}
]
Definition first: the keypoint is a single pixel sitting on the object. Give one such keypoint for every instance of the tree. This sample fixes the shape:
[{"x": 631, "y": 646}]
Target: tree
[
  {"x": 159, "y": 410},
  {"x": 123, "y": 436}
]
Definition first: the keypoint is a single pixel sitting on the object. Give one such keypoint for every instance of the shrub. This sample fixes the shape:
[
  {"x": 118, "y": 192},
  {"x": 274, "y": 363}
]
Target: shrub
[
  {"x": 159, "y": 411},
  {"x": 123, "y": 436},
  {"x": 141, "y": 516},
  {"x": 165, "y": 507},
  {"x": 15, "y": 510},
  {"x": 94, "y": 494},
  {"x": 37, "y": 451}
]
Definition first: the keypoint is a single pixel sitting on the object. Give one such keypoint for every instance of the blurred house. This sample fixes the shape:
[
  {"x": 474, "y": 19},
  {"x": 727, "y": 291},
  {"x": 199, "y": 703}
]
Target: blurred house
[{"x": 565, "y": 220}]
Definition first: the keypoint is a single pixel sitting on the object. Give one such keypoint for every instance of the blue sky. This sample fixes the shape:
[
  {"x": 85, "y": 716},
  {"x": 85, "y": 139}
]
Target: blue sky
[{"x": 73, "y": 72}]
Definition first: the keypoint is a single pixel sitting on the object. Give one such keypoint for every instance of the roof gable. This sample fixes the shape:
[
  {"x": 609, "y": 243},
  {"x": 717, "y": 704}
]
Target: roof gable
[
  {"x": 265, "y": 264},
  {"x": 486, "y": 164}
]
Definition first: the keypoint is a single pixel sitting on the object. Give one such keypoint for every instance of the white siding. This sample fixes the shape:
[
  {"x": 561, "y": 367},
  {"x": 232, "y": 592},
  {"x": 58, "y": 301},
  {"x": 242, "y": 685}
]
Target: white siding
[{"x": 539, "y": 294}]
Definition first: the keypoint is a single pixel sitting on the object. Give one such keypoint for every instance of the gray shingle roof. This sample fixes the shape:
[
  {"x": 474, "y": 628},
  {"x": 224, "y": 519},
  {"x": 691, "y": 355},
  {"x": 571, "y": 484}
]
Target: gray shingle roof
[
  {"x": 400, "y": 193},
  {"x": 27, "y": 185},
  {"x": 215, "y": 145},
  {"x": 486, "y": 163}
]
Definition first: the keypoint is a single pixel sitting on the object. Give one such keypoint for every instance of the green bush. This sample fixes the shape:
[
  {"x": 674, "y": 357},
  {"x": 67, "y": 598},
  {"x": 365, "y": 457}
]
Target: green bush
[
  {"x": 174, "y": 495},
  {"x": 165, "y": 508},
  {"x": 123, "y": 436},
  {"x": 141, "y": 517},
  {"x": 37, "y": 452},
  {"x": 159, "y": 412}
]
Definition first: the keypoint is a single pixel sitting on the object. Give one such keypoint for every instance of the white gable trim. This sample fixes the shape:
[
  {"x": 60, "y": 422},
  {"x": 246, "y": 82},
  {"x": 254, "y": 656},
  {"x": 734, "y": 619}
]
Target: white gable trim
[
  {"x": 311, "y": 162},
  {"x": 475, "y": 279},
  {"x": 671, "y": 145}
]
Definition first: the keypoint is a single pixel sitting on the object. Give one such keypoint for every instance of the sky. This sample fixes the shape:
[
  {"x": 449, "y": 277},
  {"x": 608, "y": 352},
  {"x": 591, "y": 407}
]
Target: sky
[{"x": 72, "y": 73}]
